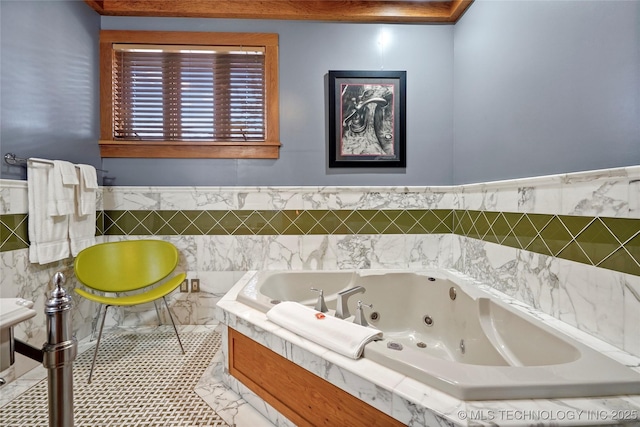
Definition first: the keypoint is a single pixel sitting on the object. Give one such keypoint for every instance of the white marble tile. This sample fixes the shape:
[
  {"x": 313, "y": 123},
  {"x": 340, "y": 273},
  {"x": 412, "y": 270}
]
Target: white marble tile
[
  {"x": 536, "y": 281},
  {"x": 230, "y": 406},
  {"x": 370, "y": 251},
  {"x": 318, "y": 252},
  {"x": 32, "y": 282},
  {"x": 284, "y": 252},
  {"x": 543, "y": 199},
  {"x": 480, "y": 197},
  {"x": 538, "y": 194},
  {"x": 491, "y": 263},
  {"x": 592, "y": 299},
  {"x": 415, "y": 404},
  {"x": 216, "y": 283},
  {"x": 13, "y": 197},
  {"x": 631, "y": 295},
  {"x": 278, "y": 198},
  {"x": 602, "y": 193},
  {"x": 210, "y": 253},
  {"x": 130, "y": 198},
  {"x": 353, "y": 252},
  {"x": 249, "y": 252},
  {"x": 348, "y": 198},
  {"x": 634, "y": 197},
  {"x": 388, "y": 251},
  {"x": 429, "y": 250},
  {"x": 192, "y": 198}
]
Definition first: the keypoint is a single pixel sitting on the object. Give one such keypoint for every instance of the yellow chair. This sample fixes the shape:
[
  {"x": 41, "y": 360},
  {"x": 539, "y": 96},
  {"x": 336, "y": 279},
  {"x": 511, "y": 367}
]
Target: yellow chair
[{"x": 126, "y": 266}]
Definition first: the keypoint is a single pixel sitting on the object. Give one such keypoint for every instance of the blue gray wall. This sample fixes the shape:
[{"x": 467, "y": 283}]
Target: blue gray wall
[
  {"x": 545, "y": 87},
  {"x": 513, "y": 89},
  {"x": 48, "y": 82},
  {"x": 307, "y": 52}
]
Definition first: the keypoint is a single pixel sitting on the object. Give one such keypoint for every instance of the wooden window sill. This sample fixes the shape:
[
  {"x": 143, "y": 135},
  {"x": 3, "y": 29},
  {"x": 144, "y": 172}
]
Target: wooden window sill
[{"x": 190, "y": 150}]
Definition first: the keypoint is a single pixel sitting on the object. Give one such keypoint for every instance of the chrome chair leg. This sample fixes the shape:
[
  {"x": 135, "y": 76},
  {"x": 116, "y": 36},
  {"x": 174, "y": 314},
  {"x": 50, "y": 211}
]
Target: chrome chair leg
[
  {"x": 174, "y": 324},
  {"x": 157, "y": 312},
  {"x": 95, "y": 352}
]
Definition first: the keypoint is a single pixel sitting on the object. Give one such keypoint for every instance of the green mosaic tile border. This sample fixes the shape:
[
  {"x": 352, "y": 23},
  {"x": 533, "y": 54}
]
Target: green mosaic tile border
[
  {"x": 284, "y": 222},
  {"x": 611, "y": 243},
  {"x": 14, "y": 231}
]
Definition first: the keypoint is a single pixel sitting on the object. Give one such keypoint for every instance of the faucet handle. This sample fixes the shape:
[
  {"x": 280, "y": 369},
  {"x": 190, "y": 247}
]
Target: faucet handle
[
  {"x": 359, "y": 318},
  {"x": 320, "y": 304}
]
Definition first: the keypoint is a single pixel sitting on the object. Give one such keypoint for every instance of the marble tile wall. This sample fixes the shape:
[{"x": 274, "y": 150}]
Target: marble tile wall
[
  {"x": 20, "y": 278},
  {"x": 599, "y": 301}
]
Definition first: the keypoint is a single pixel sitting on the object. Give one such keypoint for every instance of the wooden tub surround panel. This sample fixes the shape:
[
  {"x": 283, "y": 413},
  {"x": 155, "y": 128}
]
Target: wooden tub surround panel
[{"x": 302, "y": 397}]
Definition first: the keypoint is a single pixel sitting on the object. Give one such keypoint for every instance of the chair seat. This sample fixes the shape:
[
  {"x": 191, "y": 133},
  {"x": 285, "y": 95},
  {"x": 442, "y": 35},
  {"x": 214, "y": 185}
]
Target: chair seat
[{"x": 141, "y": 298}]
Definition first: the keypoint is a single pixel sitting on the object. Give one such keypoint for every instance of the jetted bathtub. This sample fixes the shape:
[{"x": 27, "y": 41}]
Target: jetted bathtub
[{"x": 443, "y": 330}]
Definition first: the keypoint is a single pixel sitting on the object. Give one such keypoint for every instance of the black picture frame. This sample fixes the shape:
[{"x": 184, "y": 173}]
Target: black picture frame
[{"x": 367, "y": 121}]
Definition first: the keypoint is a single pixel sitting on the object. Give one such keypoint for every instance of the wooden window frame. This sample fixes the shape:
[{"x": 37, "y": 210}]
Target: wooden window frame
[{"x": 268, "y": 149}]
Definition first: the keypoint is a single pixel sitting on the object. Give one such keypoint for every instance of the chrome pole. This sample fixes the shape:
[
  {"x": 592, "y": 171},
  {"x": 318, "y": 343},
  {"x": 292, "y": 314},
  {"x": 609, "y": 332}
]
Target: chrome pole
[{"x": 59, "y": 352}]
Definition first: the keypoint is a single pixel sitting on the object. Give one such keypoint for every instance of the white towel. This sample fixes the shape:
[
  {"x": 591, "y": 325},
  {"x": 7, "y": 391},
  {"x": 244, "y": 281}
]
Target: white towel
[
  {"x": 48, "y": 234},
  {"x": 62, "y": 183},
  {"x": 89, "y": 175},
  {"x": 86, "y": 190},
  {"x": 82, "y": 224},
  {"x": 339, "y": 335}
]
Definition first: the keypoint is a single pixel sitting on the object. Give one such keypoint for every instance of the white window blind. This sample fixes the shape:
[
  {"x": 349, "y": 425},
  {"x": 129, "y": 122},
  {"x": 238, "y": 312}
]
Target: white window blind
[{"x": 188, "y": 93}]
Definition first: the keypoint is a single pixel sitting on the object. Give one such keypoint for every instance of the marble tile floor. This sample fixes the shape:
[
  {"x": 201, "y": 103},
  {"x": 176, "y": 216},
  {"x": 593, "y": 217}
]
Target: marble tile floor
[{"x": 195, "y": 397}]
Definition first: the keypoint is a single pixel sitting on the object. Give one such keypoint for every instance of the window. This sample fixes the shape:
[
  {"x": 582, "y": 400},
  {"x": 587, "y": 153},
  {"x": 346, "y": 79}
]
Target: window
[{"x": 189, "y": 95}]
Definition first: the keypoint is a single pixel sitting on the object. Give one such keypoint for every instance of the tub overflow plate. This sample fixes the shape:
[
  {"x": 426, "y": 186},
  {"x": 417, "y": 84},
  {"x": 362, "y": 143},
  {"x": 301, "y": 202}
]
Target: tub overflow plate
[{"x": 394, "y": 345}]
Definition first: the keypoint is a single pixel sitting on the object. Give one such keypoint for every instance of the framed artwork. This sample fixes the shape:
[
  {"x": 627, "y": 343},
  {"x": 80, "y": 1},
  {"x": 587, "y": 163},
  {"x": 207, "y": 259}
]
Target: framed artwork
[{"x": 367, "y": 119}]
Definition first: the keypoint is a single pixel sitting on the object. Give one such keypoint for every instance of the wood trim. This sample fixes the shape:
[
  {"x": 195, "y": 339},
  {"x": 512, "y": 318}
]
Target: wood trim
[
  {"x": 189, "y": 38},
  {"x": 302, "y": 397},
  {"x": 447, "y": 11},
  {"x": 272, "y": 94},
  {"x": 182, "y": 150},
  {"x": 458, "y": 7},
  {"x": 106, "y": 83}
]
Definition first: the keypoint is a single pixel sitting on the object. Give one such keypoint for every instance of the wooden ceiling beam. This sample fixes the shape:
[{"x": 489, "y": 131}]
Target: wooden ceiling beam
[{"x": 406, "y": 11}]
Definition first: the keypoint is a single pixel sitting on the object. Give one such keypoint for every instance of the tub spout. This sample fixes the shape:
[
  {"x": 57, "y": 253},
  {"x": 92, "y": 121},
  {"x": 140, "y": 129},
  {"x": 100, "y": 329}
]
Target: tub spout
[{"x": 342, "y": 310}]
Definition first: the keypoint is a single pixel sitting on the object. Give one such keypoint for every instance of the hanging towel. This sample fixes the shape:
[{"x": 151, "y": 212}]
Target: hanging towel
[
  {"x": 86, "y": 190},
  {"x": 82, "y": 224},
  {"x": 48, "y": 234},
  {"x": 339, "y": 335},
  {"x": 62, "y": 183}
]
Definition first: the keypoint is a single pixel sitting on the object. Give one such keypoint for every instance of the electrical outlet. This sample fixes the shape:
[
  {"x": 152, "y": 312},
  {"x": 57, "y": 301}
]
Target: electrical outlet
[
  {"x": 184, "y": 286},
  {"x": 195, "y": 285}
]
